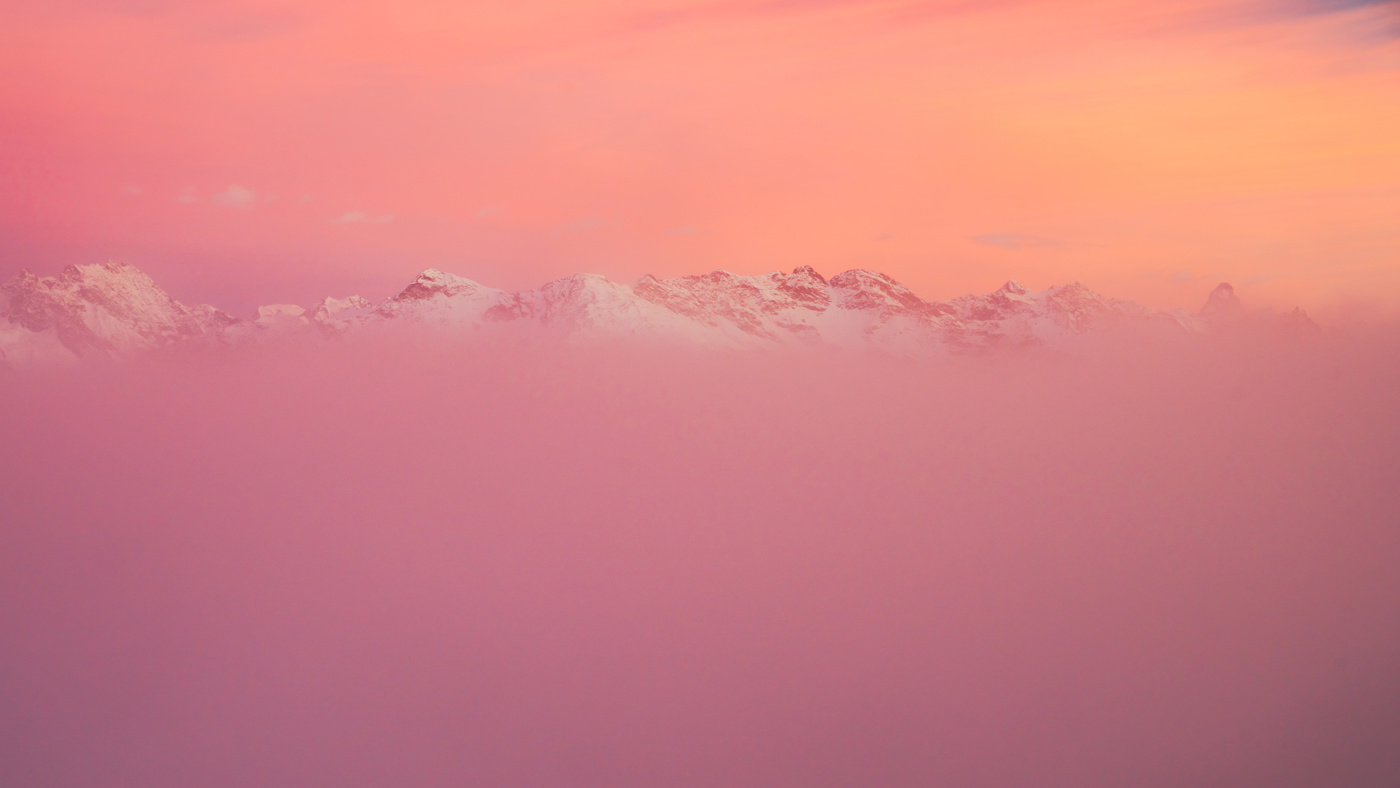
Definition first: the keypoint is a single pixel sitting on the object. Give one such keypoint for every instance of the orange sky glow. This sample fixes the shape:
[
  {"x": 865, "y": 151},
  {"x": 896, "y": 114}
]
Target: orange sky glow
[{"x": 245, "y": 152}]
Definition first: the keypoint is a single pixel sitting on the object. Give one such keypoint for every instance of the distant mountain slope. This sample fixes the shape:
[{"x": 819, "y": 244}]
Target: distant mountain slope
[{"x": 97, "y": 309}]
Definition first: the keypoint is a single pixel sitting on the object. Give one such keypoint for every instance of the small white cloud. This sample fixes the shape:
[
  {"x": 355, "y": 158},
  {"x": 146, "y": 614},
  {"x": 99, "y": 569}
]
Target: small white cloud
[
  {"x": 488, "y": 212},
  {"x": 236, "y": 196},
  {"x": 1182, "y": 276},
  {"x": 187, "y": 196},
  {"x": 132, "y": 190},
  {"x": 361, "y": 217},
  {"x": 687, "y": 230}
]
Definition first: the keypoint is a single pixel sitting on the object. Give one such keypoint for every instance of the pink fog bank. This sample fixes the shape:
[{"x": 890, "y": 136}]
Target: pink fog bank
[{"x": 445, "y": 560}]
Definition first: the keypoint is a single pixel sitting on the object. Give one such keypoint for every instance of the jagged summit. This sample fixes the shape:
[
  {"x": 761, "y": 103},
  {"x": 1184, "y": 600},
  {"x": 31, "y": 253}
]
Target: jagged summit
[
  {"x": 1222, "y": 303},
  {"x": 114, "y": 308},
  {"x": 441, "y": 298},
  {"x": 97, "y": 309}
]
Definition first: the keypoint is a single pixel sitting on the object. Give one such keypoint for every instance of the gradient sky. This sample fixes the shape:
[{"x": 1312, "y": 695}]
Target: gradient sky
[{"x": 245, "y": 152}]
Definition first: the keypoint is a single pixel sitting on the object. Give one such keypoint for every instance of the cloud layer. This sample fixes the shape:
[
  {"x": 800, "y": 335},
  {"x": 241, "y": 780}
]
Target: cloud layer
[{"x": 484, "y": 564}]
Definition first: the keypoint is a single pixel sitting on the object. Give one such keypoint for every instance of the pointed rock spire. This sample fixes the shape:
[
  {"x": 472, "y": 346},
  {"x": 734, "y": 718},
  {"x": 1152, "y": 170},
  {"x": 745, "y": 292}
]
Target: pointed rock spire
[{"x": 1222, "y": 303}]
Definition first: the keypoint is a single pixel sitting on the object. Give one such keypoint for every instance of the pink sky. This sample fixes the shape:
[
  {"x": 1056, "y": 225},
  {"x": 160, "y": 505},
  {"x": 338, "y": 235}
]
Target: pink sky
[{"x": 246, "y": 152}]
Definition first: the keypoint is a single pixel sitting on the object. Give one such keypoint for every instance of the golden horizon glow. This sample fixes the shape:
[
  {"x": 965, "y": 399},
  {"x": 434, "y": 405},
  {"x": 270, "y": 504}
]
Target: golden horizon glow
[{"x": 247, "y": 150}]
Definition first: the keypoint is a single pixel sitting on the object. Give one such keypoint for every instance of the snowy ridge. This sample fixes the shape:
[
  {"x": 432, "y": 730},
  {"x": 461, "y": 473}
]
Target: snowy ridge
[
  {"x": 92, "y": 310},
  {"x": 113, "y": 309}
]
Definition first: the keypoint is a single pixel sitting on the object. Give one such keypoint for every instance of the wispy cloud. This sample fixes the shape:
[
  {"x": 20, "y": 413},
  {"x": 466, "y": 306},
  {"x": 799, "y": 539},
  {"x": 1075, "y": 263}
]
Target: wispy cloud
[
  {"x": 132, "y": 190},
  {"x": 1017, "y": 241},
  {"x": 1330, "y": 6},
  {"x": 1375, "y": 19},
  {"x": 236, "y": 196},
  {"x": 187, "y": 196},
  {"x": 362, "y": 217},
  {"x": 583, "y": 225},
  {"x": 229, "y": 25}
]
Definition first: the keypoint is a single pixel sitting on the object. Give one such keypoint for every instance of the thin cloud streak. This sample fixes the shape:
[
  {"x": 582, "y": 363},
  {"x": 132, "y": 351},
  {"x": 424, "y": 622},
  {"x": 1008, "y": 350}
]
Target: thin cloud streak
[
  {"x": 362, "y": 217},
  {"x": 235, "y": 196},
  {"x": 1017, "y": 241}
]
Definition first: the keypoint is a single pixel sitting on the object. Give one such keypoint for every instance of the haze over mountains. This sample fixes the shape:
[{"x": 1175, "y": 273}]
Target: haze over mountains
[
  {"x": 351, "y": 563},
  {"x": 464, "y": 536},
  {"x": 109, "y": 309}
]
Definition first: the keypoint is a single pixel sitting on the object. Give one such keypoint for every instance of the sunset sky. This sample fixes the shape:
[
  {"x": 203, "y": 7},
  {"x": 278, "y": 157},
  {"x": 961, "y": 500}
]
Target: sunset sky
[{"x": 247, "y": 152}]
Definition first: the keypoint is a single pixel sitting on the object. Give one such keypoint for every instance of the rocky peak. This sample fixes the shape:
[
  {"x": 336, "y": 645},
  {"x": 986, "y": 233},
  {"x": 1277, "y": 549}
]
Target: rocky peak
[
  {"x": 432, "y": 282},
  {"x": 746, "y": 302},
  {"x": 806, "y": 287},
  {"x": 101, "y": 308},
  {"x": 1222, "y": 303},
  {"x": 862, "y": 289}
]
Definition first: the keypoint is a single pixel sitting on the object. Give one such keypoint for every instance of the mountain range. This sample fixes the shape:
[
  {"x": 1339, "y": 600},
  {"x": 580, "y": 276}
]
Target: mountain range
[{"x": 115, "y": 309}]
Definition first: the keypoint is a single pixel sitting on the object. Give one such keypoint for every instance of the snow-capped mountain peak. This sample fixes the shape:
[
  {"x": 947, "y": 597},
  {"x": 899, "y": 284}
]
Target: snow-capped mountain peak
[
  {"x": 115, "y": 308},
  {"x": 98, "y": 309},
  {"x": 440, "y": 298}
]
